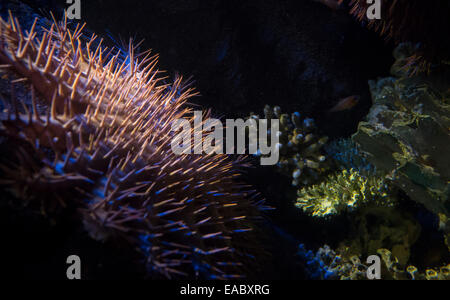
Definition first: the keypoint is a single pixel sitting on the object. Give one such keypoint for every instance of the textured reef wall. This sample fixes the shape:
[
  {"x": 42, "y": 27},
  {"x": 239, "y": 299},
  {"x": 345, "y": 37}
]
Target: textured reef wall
[
  {"x": 407, "y": 136},
  {"x": 90, "y": 131},
  {"x": 398, "y": 156}
]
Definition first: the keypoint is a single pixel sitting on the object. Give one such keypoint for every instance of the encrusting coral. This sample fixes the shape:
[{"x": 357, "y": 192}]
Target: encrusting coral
[
  {"x": 374, "y": 227},
  {"x": 406, "y": 135},
  {"x": 344, "y": 191},
  {"x": 300, "y": 146},
  {"x": 329, "y": 264},
  {"x": 93, "y": 132}
]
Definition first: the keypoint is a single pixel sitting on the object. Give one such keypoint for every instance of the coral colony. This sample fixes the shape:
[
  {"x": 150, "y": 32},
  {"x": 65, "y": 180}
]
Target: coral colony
[
  {"x": 93, "y": 132},
  {"x": 401, "y": 142},
  {"x": 102, "y": 136},
  {"x": 346, "y": 190},
  {"x": 299, "y": 145}
]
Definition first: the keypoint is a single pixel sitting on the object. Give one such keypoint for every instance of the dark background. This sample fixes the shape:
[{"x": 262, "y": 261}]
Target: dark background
[{"x": 298, "y": 54}]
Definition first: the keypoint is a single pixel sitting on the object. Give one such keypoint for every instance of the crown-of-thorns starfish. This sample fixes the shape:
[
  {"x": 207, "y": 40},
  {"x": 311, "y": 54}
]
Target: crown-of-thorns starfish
[{"x": 93, "y": 131}]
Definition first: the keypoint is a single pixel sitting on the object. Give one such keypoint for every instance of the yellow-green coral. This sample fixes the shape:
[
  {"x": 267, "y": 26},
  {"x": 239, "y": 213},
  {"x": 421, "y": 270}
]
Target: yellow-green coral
[
  {"x": 411, "y": 272},
  {"x": 343, "y": 265},
  {"x": 300, "y": 147},
  {"x": 343, "y": 191}
]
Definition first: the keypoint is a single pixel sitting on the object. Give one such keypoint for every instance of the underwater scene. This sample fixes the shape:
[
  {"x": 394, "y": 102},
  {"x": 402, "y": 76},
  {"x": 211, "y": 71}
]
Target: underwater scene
[{"x": 254, "y": 140}]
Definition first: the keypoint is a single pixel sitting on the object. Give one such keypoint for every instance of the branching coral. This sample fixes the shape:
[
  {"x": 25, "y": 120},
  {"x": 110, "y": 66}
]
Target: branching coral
[
  {"x": 341, "y": 192},
  {"x": 94, "y": 132},
  {"x": 320, "y": 265},
  {"x": 348, "y": 155},
  {"x": 300, "y": 146},
  {"x": 411, "y": 272},
  {"x": 327, "y": 264}
]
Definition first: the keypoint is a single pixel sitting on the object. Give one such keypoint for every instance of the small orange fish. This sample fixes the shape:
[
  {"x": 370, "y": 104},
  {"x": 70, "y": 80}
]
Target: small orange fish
[
  {"x": 333, "y": 4},
  {"x": 345, "y": 104}
]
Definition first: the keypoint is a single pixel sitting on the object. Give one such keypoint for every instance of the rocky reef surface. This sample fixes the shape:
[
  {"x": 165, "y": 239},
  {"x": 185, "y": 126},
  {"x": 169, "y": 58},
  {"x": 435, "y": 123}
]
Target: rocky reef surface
[
  {"x": 404, "y": 141},
  {"x": 406, "y": 134},
  {"x": 303, "y": 57}
]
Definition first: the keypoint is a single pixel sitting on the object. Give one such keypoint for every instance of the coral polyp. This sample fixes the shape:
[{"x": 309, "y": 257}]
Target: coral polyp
[{"x": 86, "y": 129}]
